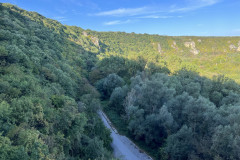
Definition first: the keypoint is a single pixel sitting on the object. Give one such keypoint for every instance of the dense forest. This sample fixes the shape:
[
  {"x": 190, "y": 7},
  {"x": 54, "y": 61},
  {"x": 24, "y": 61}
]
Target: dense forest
[
  {"x": 47, "y": 106},
  {"x": 177, "y": 116},
  {"x": 55, "y": 77}
]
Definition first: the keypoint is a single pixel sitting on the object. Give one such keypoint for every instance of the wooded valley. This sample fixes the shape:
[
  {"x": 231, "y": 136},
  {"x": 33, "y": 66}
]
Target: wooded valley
[{"x": 178, "y": 97}]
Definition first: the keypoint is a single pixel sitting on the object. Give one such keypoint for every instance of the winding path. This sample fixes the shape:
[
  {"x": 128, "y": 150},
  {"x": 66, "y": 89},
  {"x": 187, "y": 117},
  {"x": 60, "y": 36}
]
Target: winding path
[{"x": 124, "y": 148}]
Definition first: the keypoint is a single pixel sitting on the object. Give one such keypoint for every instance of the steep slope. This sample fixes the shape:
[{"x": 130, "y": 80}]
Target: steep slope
[
  {"x": 210, "y": 56},
  {"x": 47, "y": 107}
]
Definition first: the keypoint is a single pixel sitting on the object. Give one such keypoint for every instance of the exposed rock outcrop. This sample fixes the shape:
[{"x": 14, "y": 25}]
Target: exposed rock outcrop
[
  {"x": 232, "y": 47},
  {"x": 174, "y": 45},
  {"x": 192, "y": 46},
  {"x": 159, "y": 48},
  {"x": 95, "y": 40},
  {"x": 85, "y": 34},
  {"x": 238, "y": 49}
]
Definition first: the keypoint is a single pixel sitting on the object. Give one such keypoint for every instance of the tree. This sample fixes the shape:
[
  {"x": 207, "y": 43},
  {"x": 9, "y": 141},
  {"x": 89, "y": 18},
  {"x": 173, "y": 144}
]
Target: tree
[
  {"x": 193, "y": 89},
  {"x": 152, "y": 94},
  {"x": 176, "y": 106},
  {"x": 231, "y": 99},
  {"x": 181, "y": 144},
  {"x": 199, "y": 115},
  {"x": 226, "y": 142},
  {"x": 106, "y": 85},
  {"x": 153, "y": 68},
  {"x": 5, "y": 116},
  {"x": 157, "y": 127},
  {"x": 117, "y": 99},
  {"x": 94, "y": 149}
]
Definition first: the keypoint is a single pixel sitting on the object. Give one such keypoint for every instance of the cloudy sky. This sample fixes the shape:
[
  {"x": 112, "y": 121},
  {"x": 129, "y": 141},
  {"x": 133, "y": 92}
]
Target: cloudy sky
[{"x": 164, "y": 17}]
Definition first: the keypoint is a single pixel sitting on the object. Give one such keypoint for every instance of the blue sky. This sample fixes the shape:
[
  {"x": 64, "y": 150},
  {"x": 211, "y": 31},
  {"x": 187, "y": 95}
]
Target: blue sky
[{"x": 164, "y": 17}]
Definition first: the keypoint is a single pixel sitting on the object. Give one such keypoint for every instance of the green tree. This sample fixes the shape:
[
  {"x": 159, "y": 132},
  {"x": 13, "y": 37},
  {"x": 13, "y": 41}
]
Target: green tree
[
  {"x": 117, "y": 99},
  {"x": 181, "y": 144},
  {"x": 108, "y": 84}
]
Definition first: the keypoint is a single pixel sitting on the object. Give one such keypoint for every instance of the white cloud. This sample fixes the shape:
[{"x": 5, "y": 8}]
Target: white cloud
[
  {"x": 193, "y": 5},
  {"x": 116, "y": 22},
  {"x": 75, "y": 2},
  {"x": 124, "y": 12},
  {"x": 208, "y": 2},
  {"x": 82, "y": 3},
  {"x": 190, "y": 5},
  {"x": 156, "y": 17},
  {"x": 153, "y": 12},
  {"x": 60, "y": 19}
]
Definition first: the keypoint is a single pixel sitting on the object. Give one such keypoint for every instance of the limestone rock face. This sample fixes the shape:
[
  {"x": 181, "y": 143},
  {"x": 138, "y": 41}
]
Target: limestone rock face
[
  {"x": 232, "y": 47},
  {"x": 159, "y": 48},
  {"x": 85, "y": 34},
  {"x": 192, "y": 46},
  {"x": 174, "y": 45},
  {"x": 238, "y": 49},
  {"x": 189, "y": 44},
  {"x": 95, "y": 40}
]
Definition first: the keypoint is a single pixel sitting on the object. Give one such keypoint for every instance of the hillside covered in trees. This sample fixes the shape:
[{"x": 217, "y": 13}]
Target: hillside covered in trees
[
  {"x": 55, "y": 77},
  {"x": 210, "y": 56},
  {"x": 47, "y": 106}
]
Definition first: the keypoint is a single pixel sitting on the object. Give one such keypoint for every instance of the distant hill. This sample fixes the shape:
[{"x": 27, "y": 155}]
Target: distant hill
[{"x": 207, "y": 55}]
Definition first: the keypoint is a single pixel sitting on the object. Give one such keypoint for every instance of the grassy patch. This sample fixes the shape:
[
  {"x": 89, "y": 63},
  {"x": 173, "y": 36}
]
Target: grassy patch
[{"x": 115, "y": 118}]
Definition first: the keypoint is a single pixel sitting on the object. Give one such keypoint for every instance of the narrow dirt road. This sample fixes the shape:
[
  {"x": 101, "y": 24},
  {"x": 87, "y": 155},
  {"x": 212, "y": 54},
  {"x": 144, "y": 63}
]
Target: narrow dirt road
[{"x": 124, "y": 148}]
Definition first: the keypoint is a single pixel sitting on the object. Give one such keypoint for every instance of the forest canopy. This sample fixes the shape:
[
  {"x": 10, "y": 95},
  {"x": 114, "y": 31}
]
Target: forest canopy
[{"x": 183, "y": 116}]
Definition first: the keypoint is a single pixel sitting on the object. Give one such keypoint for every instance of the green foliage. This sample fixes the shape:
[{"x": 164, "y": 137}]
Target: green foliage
[
  {"x": 106, "y": 85},
  {"x": 215, "y": 56},
  {"x": 152, "y": 68},
  {"x": 123, "y": 67},
  {"x": 48, "y": 106},
  {"x": 94, "y": 149},
  {"x": 179, "y": 116},
  {"x": 57, "y": 101},
  {"x": 7, "y": 151},
  {"x": 226, "y": 142},
  {"x": 117, "y": 99},
  {"x": 180, "y": 145},
  {"x": 44, "y": 70}
]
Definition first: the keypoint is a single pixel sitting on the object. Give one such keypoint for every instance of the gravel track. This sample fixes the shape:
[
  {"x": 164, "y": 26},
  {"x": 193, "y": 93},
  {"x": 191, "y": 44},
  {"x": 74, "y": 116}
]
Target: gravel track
[{"x": 123, "y": 147}]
